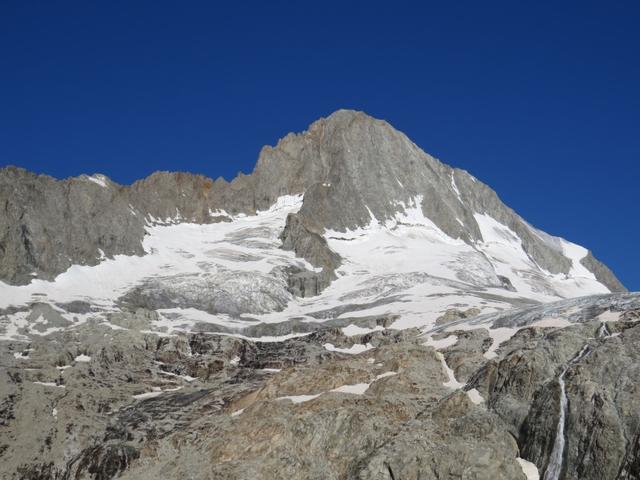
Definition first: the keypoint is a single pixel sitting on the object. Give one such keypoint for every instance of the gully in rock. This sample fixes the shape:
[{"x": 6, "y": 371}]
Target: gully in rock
[{"x": 554, "y": 468}]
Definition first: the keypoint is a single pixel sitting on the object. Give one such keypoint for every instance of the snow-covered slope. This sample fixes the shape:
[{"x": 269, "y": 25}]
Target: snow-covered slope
[
  {"x": 350, "y": 210},
  {"x": 350, "y": 273},
  {"x": 232, "y": 275}
]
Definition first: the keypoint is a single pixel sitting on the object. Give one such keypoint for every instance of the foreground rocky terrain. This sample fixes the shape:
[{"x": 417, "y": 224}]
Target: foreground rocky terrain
[
  {"x": 353, "y": 309},
  {"x": 101, "y": 403}
]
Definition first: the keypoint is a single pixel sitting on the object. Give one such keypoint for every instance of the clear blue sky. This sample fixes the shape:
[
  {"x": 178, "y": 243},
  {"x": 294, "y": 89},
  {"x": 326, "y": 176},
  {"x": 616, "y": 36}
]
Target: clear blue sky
[{"x": 541, "y": 100}]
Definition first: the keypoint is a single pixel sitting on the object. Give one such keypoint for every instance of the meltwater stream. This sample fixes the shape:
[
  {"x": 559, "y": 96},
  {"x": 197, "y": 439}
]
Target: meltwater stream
[{"x": 555, "y": 461}]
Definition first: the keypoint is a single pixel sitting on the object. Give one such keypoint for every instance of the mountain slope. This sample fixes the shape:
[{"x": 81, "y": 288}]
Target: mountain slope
[
  {"x": 350, "y": 167},
  {"x": 354, "y": 308}
]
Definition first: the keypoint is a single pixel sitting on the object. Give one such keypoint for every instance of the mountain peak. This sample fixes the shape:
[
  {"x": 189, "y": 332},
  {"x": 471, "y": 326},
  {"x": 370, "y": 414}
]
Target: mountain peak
[{"x": 352, "y": 169}]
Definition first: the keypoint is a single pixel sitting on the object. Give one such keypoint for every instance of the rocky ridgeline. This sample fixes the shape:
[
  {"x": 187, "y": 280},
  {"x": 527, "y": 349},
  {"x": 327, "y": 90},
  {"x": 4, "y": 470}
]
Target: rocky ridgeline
[
  {"x": 349, "y": 167},
  {"x": 198, "y": 361},
  {"x": 99, "y": 403}
]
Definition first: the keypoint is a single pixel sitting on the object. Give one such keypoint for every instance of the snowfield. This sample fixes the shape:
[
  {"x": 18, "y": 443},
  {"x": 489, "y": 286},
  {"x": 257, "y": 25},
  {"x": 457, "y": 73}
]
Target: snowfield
[{"x": 231, "y": 275}]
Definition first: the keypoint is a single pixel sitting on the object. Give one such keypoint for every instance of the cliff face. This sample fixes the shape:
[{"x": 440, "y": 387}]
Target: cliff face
[
  {"x": 352, "y": 169},
  {"x": 99, "y": 403},
  {"x": 354, "y": 308},
  {"x": 48, "y": 225}
]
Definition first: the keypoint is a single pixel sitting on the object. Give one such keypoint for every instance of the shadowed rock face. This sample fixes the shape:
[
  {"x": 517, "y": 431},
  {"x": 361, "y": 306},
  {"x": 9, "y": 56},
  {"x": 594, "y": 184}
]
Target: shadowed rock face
[{"x": 349, "y": 166}]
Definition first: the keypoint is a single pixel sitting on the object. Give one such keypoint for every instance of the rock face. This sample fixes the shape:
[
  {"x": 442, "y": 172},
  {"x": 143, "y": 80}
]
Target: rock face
[
  {"x": 48, "y": 225},
  {"x": 351, "y": 168},
  {"x": 94, "y": 402},
  {"x": 353, "y": 309}
]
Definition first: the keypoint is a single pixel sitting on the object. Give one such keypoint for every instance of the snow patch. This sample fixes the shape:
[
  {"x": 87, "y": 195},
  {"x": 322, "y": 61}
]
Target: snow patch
[
  {"x": 353, "y": 330},
  {"x": 455, "y": 187},
  {"x": 49, "y": 384},
  {"x": 442, "y": 343},
  {"x": 474, "y": 396},
  {"x": 144, "y": 396},
  {"x": 576, "y": 253},
  {"x": 499, "y": 336},
  {"x": 98, "y": 179},
  {"x": 355, "y": 389},
  {"x": 529, "y": 469},
  {"x": 353, "y": 349},
  {"x": 452, "y": 383},
  {"x": 299, "y": 398}
]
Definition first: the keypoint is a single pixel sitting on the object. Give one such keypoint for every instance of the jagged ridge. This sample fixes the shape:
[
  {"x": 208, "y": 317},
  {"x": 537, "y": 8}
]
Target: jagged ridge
[{"x": 351, "y": 168}]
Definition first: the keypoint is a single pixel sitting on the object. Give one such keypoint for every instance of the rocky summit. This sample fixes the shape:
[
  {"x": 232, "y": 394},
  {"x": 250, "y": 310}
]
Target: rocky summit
[{"x": 352, "y": 309}]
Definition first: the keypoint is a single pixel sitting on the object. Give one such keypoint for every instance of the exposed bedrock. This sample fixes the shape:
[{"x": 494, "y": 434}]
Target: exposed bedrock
[
  {"x": 601, "y": 385},
  {"x": 96, "y": 403},
  {"x": 352, "y": 169},
  {"x": 47, "y": 225}
]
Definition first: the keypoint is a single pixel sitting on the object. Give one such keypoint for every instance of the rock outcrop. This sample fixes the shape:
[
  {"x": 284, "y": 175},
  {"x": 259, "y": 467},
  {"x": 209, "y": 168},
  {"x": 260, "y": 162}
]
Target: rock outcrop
[
  {"x": 353, "y": 309},
  {"x": 99, "y": 403},
  {"x": 351, "y": 168}
]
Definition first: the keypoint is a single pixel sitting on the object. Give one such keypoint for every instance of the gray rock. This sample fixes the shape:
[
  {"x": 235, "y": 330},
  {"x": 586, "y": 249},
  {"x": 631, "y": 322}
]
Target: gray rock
[
  {"x": 349, "y": 167},
  {"x": 218, "y": 410}
]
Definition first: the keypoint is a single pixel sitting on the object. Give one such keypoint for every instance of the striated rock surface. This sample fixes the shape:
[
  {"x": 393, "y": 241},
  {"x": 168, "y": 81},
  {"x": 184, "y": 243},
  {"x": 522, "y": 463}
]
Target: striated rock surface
[
  {"x": 353, "y": 309},
  {"x": 351, "y": 168},
  {"x": 93, "y": 402}
]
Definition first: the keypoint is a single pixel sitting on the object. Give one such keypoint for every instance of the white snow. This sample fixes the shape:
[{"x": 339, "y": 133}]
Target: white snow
[
  {"x": 54, "y": 412},
  {"x": 385, "y": 375},
  {"x": 49, "y": 384},
  {"x": 404, "y": 266},
  {"x": 144, "y": 396},
  {"x": 299, "y": 398},
  {"x": 174, "y": 389},
  {"x": 237, "y": 413},
  {"x": 176, "y": 249},
  {"x": 82, "y": 358},
  {"x": 609, "y": 316},
  {"x": 353, "y": 349},
  {"x": 155, "y": 392},
  {"x": 499, "y": 336},
  {"x": 502, "y": 334},
  {"x": 353, "y": 330},
  {"x": 455, "y": 187},
  {"x": 509, "y": 259},
  {"x": 98, "y": 179},
  {"x": 529, "y": 469},
  {"x": 452, "y": 383},
  {"x": 442, "y": 343},
  {"x": 186, "y": 378},
  {"x": 235, "y": 360},
  {"x": 266, "y": 338},
  {"x": 355, "y": 389},
  {"x": 474, "y": 396},
  {"x": 576, "y": 253}
]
